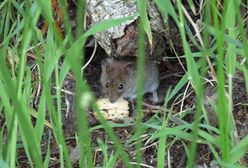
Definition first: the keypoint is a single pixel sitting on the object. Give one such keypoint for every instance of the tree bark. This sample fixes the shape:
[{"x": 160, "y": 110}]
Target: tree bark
[{"x": 122, "y": 40}]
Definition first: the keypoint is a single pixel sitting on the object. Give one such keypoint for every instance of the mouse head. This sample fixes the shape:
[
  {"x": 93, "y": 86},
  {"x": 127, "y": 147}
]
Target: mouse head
[{"x": 114, "y": 78}]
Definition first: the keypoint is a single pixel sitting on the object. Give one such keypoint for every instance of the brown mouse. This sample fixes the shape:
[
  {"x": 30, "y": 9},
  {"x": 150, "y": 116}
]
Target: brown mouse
[{"x": 119, "y": 80}]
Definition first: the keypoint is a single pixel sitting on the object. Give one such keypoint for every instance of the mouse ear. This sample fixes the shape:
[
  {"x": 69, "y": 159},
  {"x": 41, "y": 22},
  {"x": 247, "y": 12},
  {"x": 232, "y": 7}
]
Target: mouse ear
[
  {"x": 107, "y": 61},
  {"x": 130, "y": 66},
  {"x": 107, "y": 64}
]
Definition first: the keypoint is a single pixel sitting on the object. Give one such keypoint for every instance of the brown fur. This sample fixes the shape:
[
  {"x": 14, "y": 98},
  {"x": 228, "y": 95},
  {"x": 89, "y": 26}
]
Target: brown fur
[{"x": 120, "y": 78}]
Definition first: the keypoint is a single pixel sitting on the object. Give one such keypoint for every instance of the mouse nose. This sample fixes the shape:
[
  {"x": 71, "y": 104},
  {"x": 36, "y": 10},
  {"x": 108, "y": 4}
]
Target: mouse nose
[
  {"x": 112, "y": 100},
  {"x": 113, "y": 97}
]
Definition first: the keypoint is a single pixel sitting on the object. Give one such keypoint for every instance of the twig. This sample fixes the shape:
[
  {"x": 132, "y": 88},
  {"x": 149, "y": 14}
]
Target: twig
[{"x": 91, "y": 57}]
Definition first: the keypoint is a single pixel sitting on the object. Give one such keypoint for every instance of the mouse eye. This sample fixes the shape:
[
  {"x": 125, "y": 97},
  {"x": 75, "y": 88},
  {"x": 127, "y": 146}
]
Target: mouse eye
[
  {"x": 107, "y": 85},
  {"x": 120, "y": 87}
]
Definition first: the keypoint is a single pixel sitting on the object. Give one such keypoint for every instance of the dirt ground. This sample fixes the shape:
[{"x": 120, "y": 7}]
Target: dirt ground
[{"x": 170, "y": 73}]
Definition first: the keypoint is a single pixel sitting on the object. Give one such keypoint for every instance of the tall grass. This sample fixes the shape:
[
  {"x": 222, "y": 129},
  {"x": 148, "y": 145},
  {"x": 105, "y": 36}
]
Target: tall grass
[{"x": 221, "y": 42}]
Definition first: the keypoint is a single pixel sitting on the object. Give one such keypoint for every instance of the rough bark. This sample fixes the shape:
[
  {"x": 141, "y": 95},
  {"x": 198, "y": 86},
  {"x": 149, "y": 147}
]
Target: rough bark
[{"x": 122, "y": 40}]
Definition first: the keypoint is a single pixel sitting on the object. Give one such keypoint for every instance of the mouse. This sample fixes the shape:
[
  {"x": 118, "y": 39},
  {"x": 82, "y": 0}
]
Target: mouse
[{"x": 118, "y": 79}]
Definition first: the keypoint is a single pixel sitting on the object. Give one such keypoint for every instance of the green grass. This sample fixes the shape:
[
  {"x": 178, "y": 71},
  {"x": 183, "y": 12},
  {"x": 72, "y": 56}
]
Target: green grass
[{"x": 222, "y": 48}]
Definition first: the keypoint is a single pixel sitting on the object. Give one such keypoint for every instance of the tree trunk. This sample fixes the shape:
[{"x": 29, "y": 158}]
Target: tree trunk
[{"x": 122, "y": 40}]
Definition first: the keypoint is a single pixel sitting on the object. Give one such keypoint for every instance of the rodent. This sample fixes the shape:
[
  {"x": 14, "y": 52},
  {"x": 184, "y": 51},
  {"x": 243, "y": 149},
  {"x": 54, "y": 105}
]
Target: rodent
[{"x": 118, "y": 79}]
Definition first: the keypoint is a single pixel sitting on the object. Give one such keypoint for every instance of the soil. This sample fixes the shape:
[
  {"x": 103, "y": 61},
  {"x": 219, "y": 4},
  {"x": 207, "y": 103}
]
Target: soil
[{"x": 170, "y": 72}]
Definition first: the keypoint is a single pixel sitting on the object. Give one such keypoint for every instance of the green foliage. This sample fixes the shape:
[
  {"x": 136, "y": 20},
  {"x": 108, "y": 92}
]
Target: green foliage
[{"x": 222, "y": 45}]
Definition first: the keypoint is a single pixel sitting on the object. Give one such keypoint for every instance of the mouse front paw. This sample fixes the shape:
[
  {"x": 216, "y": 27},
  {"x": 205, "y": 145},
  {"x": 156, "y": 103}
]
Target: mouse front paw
[{"x": 155, "y": 97}]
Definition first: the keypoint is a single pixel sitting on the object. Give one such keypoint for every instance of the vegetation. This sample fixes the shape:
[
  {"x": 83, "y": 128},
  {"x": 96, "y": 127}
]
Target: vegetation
[{"x": 220, "y": 38}]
